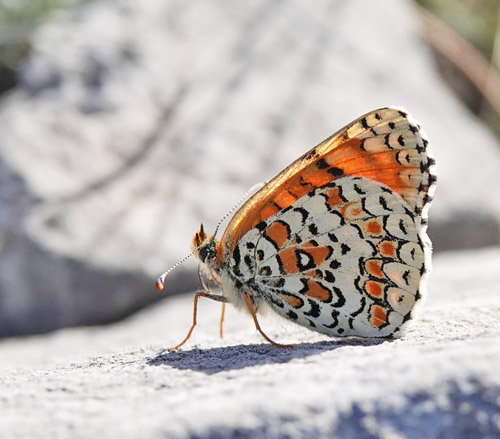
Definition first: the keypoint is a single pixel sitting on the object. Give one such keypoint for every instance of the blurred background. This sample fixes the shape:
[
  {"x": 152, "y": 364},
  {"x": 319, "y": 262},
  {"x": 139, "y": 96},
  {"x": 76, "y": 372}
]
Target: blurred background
[{"x": 125, "y": 124}]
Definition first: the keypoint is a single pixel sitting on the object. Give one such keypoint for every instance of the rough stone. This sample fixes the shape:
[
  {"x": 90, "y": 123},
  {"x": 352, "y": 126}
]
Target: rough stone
[{"x": 439, "y": 381}]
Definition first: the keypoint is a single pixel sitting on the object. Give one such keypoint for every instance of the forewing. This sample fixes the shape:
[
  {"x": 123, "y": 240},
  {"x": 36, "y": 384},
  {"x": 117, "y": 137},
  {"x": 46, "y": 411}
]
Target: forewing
[{"x": 385, "y": 145}]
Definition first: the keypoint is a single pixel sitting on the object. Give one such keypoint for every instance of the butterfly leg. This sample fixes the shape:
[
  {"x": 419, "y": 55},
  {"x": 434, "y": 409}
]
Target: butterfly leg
[
  {"x": 251, "y": 308},
  {"x": 207, "y": 288},
  {"x": 199, "y": 294},
  {"x": 221, "y": 332}
]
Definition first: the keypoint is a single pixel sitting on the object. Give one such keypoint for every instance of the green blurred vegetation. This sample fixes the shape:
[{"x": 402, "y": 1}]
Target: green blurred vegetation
[
  {"x": 476, "y": 21},
  {"x": 18, "y": 19}
]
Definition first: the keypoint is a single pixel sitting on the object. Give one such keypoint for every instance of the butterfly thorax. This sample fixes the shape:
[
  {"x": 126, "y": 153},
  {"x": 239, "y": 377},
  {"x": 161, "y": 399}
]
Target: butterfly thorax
[{"x": 207, "y": 249}]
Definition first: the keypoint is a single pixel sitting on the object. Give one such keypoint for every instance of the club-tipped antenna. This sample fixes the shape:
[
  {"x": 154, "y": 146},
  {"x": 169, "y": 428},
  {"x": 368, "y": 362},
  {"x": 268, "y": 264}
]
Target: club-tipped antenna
[
  {"x": 160, "y": 282},
  {"x": 238, "y": 204}
]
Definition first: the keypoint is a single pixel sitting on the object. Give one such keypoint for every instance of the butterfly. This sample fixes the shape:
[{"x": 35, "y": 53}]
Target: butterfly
[{"x": 337, "y": 241}]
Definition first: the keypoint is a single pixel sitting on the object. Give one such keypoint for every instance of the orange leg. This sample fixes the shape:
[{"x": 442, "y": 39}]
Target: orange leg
[
  {"x": 199, "y": 294},
  {"x": 254, "y": 315},
  {"x": 222, "y": 319}
]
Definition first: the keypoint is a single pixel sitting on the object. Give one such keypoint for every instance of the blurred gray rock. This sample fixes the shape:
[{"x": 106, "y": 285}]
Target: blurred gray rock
[
  {"x": 440, "y": 380},
  {"x": 135, "y": 121}
]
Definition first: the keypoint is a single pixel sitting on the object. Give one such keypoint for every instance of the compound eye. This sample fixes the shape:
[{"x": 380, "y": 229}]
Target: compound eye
[{"x": 206, "y": 253}]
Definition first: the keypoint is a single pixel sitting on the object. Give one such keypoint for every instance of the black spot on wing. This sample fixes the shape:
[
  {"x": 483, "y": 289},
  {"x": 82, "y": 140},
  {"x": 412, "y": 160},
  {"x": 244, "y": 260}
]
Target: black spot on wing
[
  {"x": 313, "y": 229},
  {"x": 387, "y": 141},
  {"x": 329, "y": 277},
  {"x": 383, "y": 203},
  {"x": 334, "y": 264},
  {"x": 406, "y": 276},
  {"x": 249, "y": 262},
  {"x": 304, "y": 183},
  {"x": 361, "y": 307},
  {"x": 344, "y": 248},
  {"x": 333, "y": 237},
  {"x": 335, "y": 316},
  {"x": 358, "y": 189},
  {"x": 322, "y": 164},
  {"x": 314, "y": 311},
  {"x": 310, "y": 154},
  {"x": 402, "y": 227},
  {"x": 340, "y": 298},
  {"x": 304, "y": 260},
  {"x": 237, "y": 255},
  {"x": 303, "y": 212},
  {"x": 261, "y": 226},
  {"x": 336, "y": 172}
]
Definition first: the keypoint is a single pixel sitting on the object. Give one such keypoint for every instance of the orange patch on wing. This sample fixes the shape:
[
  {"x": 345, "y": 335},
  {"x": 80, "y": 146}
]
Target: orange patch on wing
[
  {"x": 333, "y": 197},
  {"x": 351, "y": 210},
  {"x": 387, "y": 248},
  {"x": 289, "y": 260},
  {"x": 378, "y": 316},
  {"x": 374, "y": 228},
  {"x": 313, "y": 176},
  {"x": 303, "y": 175},
  {"x": 373, "y": 288},
  {"x": 284, "y": 198},
  {"x": 370, "y": 160},
  {"x": 297, "y": 189},
  {"x": 313, "y": 273},
  {"x": 374, "y": 267},
  {"x": 380, "y": 166},
  {"x": 317, "y": 291},
  {"x": 278, "y": 233},
  {"x": 392, "y": 178},
  {"x": 344, "y": 151},
  {"x": 319, "y": 254},
  {"x": 293, "y": 301},
  {"x": 268, "y": 210}
]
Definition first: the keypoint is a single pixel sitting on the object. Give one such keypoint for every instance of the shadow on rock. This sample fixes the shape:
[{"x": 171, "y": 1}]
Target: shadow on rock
[{"x": 221, "y": 359}]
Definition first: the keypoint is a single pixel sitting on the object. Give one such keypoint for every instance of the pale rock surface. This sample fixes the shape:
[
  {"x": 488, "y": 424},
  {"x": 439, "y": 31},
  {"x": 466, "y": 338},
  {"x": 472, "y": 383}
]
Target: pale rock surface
[
  {"x": 135, "y": 121},
  {"x": 440, "y": 380}
]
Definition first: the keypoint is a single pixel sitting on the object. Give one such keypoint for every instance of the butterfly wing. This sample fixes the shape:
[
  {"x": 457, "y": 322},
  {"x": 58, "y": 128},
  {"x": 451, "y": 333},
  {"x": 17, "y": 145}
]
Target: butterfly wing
[
  {"x": 336, "y": 242},
  {"x": 385, "y": 145},
  {"x": 345, "y": 259}
]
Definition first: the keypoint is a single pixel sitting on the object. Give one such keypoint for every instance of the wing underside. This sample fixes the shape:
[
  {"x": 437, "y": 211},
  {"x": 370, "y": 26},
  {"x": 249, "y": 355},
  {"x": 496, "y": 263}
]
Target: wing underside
[
  {"x": 337, "y": 241},
  {"x": 345, "y": 259}
]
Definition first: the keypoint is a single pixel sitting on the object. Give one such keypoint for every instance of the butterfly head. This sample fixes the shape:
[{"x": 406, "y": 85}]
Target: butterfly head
[{"x": 204, "y": 246}]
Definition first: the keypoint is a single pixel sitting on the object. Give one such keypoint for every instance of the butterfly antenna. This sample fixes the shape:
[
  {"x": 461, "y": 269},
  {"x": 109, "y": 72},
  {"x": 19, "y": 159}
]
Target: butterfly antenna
[
  {"x": 160, "y": 282},
  {"x": 238, "y": 204}
]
